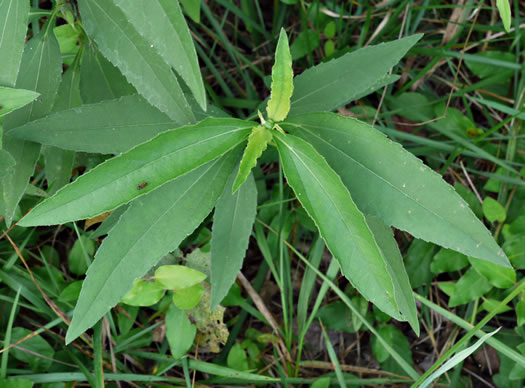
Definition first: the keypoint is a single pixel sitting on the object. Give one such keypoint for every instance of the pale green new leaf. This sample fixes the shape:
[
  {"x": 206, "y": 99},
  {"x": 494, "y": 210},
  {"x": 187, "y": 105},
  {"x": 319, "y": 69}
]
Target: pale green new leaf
[
  {"x": 40, "y": 71},
  {"x": 402, "y": 290},
  {"x": 232, "y": 226},
  {"x": 13, "y": 28},
  {"x": 12, "y": 99},
  {"x": 162, "y": 24},
  {"x": 140, "y": 170},
  {"x": 108, "y": 127},
  {"x": 390, "y": 183},
  {"x": 177, "y": 277},
  {"x": 330, "y": 85},
  {"x": 143, "y": 293},
  {"x": 504, "y": 13},
  {"x": 282, "y": 81},
  {"x": 118, "y": 40},
  {"x": 257, "y": 143},
  {"x": 141, "y": 238},
  {"x": 340, "y": 223}
]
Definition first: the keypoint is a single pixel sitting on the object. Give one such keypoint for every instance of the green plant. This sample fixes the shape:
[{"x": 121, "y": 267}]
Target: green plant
[{"x": 178, "y": 158}]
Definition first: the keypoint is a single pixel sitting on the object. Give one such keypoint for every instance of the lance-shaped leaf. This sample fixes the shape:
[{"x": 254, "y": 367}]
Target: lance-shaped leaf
[
  {"x": 402, "y": 289},
  {"x": 99, "y": 79},
  {"x": 118, "y": 40},
  {"x": 13, "y": 28},
  {"x": 153, "y": 226},
  {"x": 108, "y": 127},
  {"x": 40, "y": 71},
  {"x": 390, "y": 183},
  {"x": 257, "y": 143},
  {"x": 59, "y": 162},
  {"x": 12, "y": 99},
  {"x": 282, "y": 81},
  {"x": 232, "y": 226},
  {"x": 140, "y": 170},
  {"x": 163, "y": 25},
  {"x": 340, "y": 223},
  {"x": 332, "y": 84}
]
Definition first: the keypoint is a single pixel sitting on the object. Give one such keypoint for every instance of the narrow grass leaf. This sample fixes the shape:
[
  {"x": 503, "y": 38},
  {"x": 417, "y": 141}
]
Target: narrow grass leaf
[
  {"x": 232, "y": 226},
  {"x": 118, "y": 40},
  {"x": 40, "y": 71},
  {"x": 456, "y": 359},
  {"x": 13, "y": 28},
  {"x": 330, "y": 85},
  {"x": 257, "y": 143},
  {"x": 340, "y": 223},
  {"x": 333, "y": 358},
  {"x": 139, "y": 240},
  {"x": 282, "y": 81},
  {"x": 140, "y": 170},
  {"x": 163, "y": 25},
  {"x": 12, "y": 99},
  {"x": 107, "y": 127},
  {"x": 391, "y": 184}
]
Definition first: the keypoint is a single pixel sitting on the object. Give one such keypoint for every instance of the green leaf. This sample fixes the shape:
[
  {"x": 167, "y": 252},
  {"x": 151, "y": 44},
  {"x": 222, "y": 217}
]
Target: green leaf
[
  {"x": 40, "y": 71},
  {"x": 143, "y": 293},
  {"x": 402, "y": 290},
  {"x": 237, "y": 358},
  {"x": 188, "y": 298},
  {"x": 179, "y": 332},
  {"x": 59, "y": 162},
  {"x": 232, "y": 226},
  {"x": 71, "y": 292},
  {"x": 13, "y": 24},
  {"x": 498, "y": 276},
  {"x": 391, "y": 184},
  {"x": 99, "y": 79},
  {"x": 332, "y": 84},
  {"x": 447, "y": 260},
  {"x": 118, "y": 40},
  {"x": 78, "y": 262},
  {"x": 504, "y": 13},
  {"x": 12, "y": 99},
  {"x": 306, "y": 42},
  {"x": 494, "y": 305},
  {"x": 493, "y": 210},
  {"x": 177, "y": 277},
  {"x": 340, "y": 223},
  {"x": 139, "y": 240},
  {"x": 25, "y": 351},
  {"x": 140, "y": 170},
  {"x": 396, "y": 339},
  {"x": 162, "y": 24},
  {"x": 282, "y": 81},
  {"x": 108, "y": 127},
  {"x": 193, "y": 9},
  {"x": 257, "y": 143},
  {"x": 469, "y": 287}
]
